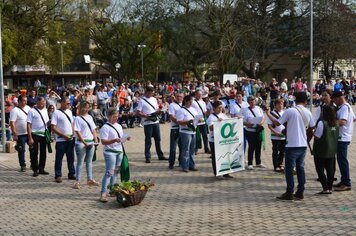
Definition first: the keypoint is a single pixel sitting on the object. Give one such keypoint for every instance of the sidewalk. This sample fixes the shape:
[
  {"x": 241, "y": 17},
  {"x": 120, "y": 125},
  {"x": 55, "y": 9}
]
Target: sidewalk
[{"x": 193, "y": 203}]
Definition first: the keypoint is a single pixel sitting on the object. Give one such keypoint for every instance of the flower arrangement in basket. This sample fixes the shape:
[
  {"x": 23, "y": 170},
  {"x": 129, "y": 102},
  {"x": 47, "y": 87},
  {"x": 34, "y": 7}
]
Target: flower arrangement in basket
[{"x": 130, "y": 193}]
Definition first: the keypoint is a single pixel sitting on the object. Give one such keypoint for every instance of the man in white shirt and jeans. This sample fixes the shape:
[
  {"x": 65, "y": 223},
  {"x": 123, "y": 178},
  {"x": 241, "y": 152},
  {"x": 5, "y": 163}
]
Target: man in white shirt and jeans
[
  {"x": 62, "y": 126},
  {"x": 298, "y": 120},
  {"x": 345, "y": 117},
  {"x": 148, "y": 109}
]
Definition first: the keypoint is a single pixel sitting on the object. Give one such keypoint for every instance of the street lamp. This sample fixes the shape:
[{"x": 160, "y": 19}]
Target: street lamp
[
  {"x": 2, "y": 97},
  {"x": 311, "y": 54},
  {"x": 61, "y": 43},
  {"x": 117, "y": 67},
  {"x": 141, "y": 46}
]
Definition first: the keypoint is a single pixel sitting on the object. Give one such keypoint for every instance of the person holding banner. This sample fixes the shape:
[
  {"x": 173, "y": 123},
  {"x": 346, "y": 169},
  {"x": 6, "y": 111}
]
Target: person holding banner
[
  {"x": 253, "y": 121},
  {"x": 187, "y": 120},
  {"x": 200, "y": 106},
  {"x": 37, "y": 120},
  {"x": 217, "y": 115},
  {"x": 86, "y": 138},
  {"x": 112, "y": 137}
]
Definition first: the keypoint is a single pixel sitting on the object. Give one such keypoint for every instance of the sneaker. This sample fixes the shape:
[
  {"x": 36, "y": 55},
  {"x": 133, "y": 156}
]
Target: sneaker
[
  {"x": 286, "y": 197},
  {"x": 250, "y": 167},
  {"x": 23, "y": 169},
  {"x": 324, "y": 192},
  {"x": 92, "y": 182},
  {"x": 298, "y": 196},
  {"x": 58, "y": 179},
  {"x": 342, "y": 188},
  {"x": 76, "y": 186},
  {"x": 104, "y": 198},
  {"x": 261, "y": 166}
]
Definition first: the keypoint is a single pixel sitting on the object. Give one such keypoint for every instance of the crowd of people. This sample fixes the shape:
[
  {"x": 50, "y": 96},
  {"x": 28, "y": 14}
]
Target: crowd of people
[{"x": 82, "y": 117}]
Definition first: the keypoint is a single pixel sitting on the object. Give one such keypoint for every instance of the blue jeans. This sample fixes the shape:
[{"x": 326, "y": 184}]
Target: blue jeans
[
  {"x": 343, "y": 162},
  {"x": 188, "y": 150},
  {"x": 84, "y": 154},
  {"x": 112, "y": 169},
  {"x": 22, "y": 140},
  {"x": 174, "y": 139},
  {"x": 62, "y": 148},
  {"x": 152, "y": 131},
  {"x": 295, "y": 158}
]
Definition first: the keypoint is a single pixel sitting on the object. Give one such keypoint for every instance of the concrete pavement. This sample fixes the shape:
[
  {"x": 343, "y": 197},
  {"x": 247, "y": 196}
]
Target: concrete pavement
[{"x": 193, "y": 203}]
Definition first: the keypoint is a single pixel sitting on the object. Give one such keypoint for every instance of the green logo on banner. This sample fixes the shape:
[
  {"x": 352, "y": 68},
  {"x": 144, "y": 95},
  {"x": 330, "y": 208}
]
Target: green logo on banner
[{"x": 227, "y": 130}]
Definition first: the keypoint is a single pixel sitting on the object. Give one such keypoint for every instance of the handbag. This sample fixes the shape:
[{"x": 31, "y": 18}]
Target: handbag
[{"x": 125, "y": 168}]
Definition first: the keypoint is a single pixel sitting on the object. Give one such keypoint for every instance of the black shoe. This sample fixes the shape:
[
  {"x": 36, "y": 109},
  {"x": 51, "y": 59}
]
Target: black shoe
[
  {"x": 72, "y": 177},
  {"x": 298, "y": 196},
  {"x": 324, "y": 192},
  {"x": 148, "y": 161},
  {"x": 43, "y": 172},
  {"x": 193, "y": 169},
  {"x": 162, "y": 158},
  {"x": 337, "y": 185},
  {"x": 35, "y": 174},
  {"x": 286, "y": 197},
  {"x": 228, "y": 176},
  {"x": 23, "y": 169},
  {"x": 207, "y": 151},
  {"x": 171, "y": 166}
]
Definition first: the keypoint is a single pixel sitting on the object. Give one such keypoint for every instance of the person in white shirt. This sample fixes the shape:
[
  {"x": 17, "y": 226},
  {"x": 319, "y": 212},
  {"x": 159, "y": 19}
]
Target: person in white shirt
[
  {"x": 200, "y": 106},
  {"x": 148, "y": 109},
  {"x": 86, "y": 139},
  {"x": 284, "y": 85},
  {"x": 18, "y": 125},
  {"x": 298, "y": 120},
  {"x": 217, "y": 115},
  {"x": 187, "y": 126},
  {"x": 239, "y": 106},
  {"x": 252, "y": 132},
  {"x": 37, "y": 120},
  {"x": 173, "y": 108},
  {"x": 345, "y": 117},
  {"x": 277, "y": 136},
  {"x": 62, "y": 126},
  {"x": 112, "y": 137}
]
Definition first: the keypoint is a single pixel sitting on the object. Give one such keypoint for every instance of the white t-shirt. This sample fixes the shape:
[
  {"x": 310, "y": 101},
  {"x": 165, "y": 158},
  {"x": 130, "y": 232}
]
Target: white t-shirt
[
  {"x": 147, "y": 109},
  {"x": 81, "y": 126},
  {"x": 34, "y": 118},
  {"x": 62, "y": 123},
  {"x": 317, "y": 114},
  {"x": 345, "y": 112},
  {"x": 210, "y": 121},
  {"x": 277, "y": 128},
  {"x": 173, "y": 108},
  {"x": 108, "y": 133},
  {"x": 184, "y": 115},
  {"x": 248, "y": 116},
  {"x": 318, "y": 132},
  {"x": 20, "y": 119},
  {"x": 236, "y": 110},
  {"x": 210, "y": 108},
  {"x": 296, "y": 131},
  {"x": 200, "y": 111}
]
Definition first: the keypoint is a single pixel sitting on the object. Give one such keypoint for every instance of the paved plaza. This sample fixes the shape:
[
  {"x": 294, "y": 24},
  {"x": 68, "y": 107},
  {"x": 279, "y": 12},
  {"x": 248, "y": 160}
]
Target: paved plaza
[{"x": 193, "y": 203}]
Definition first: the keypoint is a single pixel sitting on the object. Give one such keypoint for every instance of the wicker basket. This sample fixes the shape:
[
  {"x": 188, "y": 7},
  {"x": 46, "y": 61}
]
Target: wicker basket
[{"x": 132, "y": 199}]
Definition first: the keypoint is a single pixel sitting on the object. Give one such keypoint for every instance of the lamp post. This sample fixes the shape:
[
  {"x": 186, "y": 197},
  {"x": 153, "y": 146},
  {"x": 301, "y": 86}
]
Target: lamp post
[
  {"x": 117, "y": 67},
  {"x": 141, "y": 46},
  {"x": 61, "y": 43},
  {"x": 311, "y": 54}
]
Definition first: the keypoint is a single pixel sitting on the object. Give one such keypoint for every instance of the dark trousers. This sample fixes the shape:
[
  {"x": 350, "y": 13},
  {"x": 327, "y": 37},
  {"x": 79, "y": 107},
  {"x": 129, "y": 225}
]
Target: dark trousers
[
  {"x": 204, "y": 134},
  {"x": 22, "y": 140},
  {"x": 127, "y": 119},
  {"x": 39, "y": 143},
  {"x": 278, "y": 149},
  {"x": 254, "y": 146},
  {"x": 213, "y": 161},
  {"x": 174, "y": 140},
  {"x": 327, "y": 164},
  {"x": 152, "y": 131},
  {"x": 62, "y": 148}
]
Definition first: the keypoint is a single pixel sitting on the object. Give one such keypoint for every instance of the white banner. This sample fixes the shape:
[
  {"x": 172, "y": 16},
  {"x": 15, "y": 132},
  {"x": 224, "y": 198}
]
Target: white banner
[{"x": 229, "y": 147}]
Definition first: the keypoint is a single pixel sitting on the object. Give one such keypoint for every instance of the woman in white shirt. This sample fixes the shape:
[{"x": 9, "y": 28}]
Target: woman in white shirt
[
  {"x": 86, "y": 135},
  {"x": 111, "y": 135},
  {"x": 217, "y": 115},
  {"x": 252, "y": 129},
  {"x": 185, "y": 118}
]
